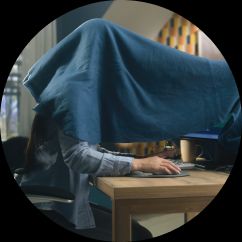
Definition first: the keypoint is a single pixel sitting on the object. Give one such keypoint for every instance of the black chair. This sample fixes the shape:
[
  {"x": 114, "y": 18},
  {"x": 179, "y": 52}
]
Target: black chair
[
  {"x": 14, "y": 151},
  {"x": 40, "y": 193}
]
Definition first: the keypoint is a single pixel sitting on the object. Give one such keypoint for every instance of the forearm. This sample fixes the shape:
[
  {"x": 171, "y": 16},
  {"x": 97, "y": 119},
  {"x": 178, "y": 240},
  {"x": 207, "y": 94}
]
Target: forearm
[
  {"x": 136, "y": 165},
  {"x": 81, "y": 158},
  {"x": 113, "y": 165},
  {"x": 141, "y": 164}
]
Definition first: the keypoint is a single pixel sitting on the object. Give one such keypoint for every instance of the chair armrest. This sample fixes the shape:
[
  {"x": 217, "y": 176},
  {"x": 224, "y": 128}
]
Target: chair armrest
[
  {"x": 40, "y": 193},
  {"x": 19, "y": 171},
  {"x": 37, "y": 194}
]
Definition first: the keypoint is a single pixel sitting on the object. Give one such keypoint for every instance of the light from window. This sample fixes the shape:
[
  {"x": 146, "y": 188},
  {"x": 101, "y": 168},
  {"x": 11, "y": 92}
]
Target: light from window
[{"x": 9, "y": 116}]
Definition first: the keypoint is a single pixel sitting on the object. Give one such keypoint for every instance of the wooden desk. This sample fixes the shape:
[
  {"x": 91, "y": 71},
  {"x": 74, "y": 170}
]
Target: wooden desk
[{"x": 158, "y": 195}]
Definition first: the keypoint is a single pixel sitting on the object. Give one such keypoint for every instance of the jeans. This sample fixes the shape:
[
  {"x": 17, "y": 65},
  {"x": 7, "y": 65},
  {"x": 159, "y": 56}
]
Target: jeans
[{"x": 103, "y": 230}]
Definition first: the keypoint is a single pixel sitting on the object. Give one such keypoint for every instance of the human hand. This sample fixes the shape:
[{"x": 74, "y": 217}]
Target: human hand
[{"x": 155, "y": 164}]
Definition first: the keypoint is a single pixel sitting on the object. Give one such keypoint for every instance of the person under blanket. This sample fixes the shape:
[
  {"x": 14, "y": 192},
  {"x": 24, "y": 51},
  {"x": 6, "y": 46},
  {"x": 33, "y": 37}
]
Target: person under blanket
[
  {"x": 104, "y": 83},
  {"x": 62, "y": 161}
]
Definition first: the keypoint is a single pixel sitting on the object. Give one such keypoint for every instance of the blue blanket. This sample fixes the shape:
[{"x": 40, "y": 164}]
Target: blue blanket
[{"x": 103, "y": 83}]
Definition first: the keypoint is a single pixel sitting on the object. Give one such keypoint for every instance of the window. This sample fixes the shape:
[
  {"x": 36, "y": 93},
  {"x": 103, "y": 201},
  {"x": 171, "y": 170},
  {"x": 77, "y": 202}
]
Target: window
[{"x": 9, "y": 118}]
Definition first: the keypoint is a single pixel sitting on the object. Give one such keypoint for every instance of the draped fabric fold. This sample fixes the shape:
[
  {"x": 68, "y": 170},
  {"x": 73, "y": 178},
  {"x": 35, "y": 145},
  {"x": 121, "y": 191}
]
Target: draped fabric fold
[{"x": 104, "y": 83}]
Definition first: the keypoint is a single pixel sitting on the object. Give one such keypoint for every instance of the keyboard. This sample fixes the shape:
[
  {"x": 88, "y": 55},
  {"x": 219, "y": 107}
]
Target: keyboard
[{"x": 183, "y": 165}]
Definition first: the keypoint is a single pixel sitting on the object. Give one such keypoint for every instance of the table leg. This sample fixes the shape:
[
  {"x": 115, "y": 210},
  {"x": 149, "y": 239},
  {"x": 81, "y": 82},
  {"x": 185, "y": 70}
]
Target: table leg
[
  {"x": 189, "y": 215},
  {"x": 121, "y": 222}
]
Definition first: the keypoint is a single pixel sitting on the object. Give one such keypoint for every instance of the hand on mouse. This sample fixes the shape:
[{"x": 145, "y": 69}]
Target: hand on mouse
[{"x": 155, "y": 164}]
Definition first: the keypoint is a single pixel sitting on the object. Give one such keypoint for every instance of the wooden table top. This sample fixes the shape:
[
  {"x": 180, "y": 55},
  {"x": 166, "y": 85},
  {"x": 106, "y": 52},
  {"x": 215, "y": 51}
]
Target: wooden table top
[{"x": 198, "y": 183}]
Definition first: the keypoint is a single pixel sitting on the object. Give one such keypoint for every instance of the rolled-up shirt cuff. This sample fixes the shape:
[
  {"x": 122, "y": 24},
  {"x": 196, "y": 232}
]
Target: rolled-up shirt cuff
[{"x": 112, "y": 165}]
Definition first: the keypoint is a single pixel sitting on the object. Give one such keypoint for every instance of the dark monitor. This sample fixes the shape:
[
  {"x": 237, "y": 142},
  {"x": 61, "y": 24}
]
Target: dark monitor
[{"x": 209, "y": 142}]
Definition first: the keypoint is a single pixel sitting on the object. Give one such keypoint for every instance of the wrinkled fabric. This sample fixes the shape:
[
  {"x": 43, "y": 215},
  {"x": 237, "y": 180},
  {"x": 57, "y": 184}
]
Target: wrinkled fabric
[{"x": 104, "y": 83}]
